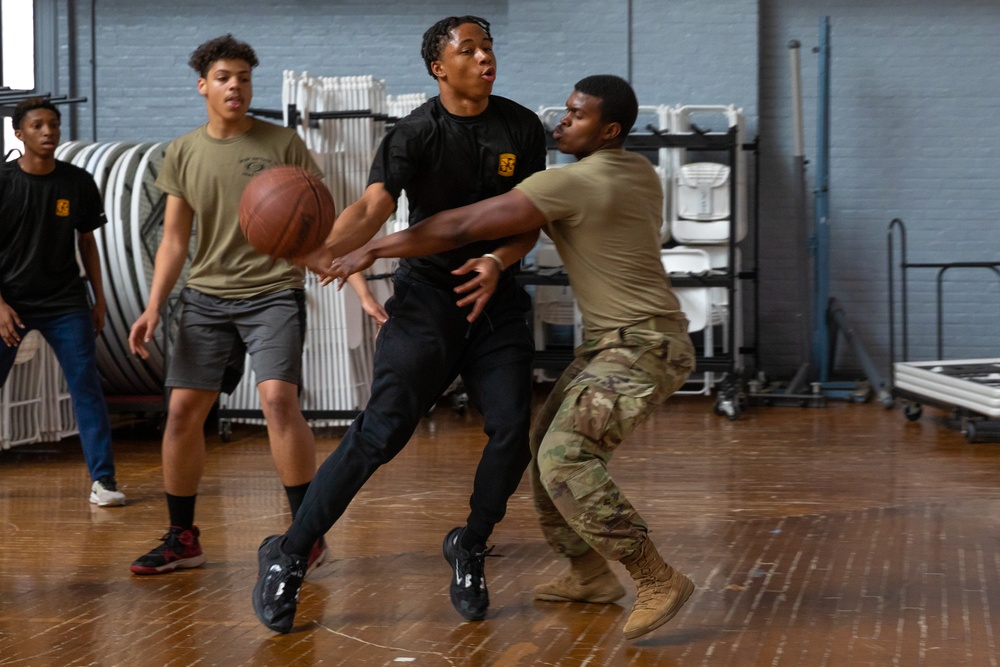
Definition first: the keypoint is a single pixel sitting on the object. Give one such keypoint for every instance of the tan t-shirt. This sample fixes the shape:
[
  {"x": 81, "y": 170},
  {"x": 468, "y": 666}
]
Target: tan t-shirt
[
  {"x": 604, "y": 214},
  {"x": 210, "y": 174}
]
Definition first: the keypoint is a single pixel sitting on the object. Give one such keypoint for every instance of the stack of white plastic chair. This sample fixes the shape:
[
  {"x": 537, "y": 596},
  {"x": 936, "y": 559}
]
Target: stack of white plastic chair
[
  {"x": 21, "y": 397},
  {"x": 696, "y": 302},
  {"x": 702, "y": 214}
]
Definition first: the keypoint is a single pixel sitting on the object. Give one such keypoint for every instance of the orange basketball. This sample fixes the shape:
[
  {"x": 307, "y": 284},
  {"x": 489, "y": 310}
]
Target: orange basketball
[{"x": 285, "y": 211}]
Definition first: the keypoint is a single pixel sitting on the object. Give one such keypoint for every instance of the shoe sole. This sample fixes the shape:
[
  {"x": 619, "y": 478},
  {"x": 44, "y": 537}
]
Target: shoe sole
[
  {"x": 182, "y": 564},
  {"x": 602, "y": 599},
  {"x": 686, "y": 590},
  {"x": 111, "y": 503}
]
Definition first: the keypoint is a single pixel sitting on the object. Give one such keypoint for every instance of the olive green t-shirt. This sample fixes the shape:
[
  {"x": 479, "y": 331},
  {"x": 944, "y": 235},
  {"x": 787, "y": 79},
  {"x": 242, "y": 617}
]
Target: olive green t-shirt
[
  {"x": 210, "y": 174},
  {"x": 604, "y": 214}
]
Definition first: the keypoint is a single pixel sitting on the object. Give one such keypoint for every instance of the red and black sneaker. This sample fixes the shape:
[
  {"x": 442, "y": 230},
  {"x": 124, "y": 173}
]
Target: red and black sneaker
[
  {"x": 317, "y": 556},
  {"x": 180, "y": 549}
]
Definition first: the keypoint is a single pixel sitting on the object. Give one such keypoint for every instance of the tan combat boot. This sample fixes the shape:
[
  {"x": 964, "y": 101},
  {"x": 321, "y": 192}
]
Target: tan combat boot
[
  {"x": 662, "y": 591},
  {"x": 589, "y": 580}
]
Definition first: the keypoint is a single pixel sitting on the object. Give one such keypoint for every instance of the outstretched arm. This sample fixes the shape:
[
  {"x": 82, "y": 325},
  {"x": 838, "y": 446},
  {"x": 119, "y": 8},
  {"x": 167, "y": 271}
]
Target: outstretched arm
[
  {"x": 509, "y": 214},
  {"x": 354, "y": 227}
]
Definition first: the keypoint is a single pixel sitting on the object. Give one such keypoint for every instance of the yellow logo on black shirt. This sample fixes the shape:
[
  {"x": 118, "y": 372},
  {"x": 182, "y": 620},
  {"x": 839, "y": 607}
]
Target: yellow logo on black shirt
[
  {"x": 62, "y": 208},
  {"x": 507, "y": 163}
]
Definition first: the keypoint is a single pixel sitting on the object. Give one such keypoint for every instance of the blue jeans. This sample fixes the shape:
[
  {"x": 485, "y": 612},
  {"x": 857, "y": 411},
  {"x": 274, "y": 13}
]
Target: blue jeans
[{"x": 72, "y": 338}]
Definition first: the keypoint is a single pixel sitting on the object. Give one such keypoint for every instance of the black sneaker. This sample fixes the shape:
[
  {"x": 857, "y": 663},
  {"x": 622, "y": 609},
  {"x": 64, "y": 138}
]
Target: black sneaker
[
  {"x": 276, "y": 593},
  {"x": 180, "y": 550},
  {"x": 468, "y": 581}
]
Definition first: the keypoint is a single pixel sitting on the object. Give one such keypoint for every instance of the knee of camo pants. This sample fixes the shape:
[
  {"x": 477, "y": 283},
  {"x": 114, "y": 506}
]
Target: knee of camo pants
[{"x": 572, "y": 469}]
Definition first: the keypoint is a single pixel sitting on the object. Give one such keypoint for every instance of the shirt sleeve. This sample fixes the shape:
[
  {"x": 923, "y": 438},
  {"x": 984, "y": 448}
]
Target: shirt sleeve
[
  {"x": 395, "y": 160},
  {"x": 298, "y": 154},
  {"x": 551, "y": 191},
  {"x": 168, "y": 179},
  {"x": 92, "y": 205}
]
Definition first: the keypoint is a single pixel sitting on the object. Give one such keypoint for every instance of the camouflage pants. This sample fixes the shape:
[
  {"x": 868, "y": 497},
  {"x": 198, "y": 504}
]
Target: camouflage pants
[{"x": 609, "y": 389}]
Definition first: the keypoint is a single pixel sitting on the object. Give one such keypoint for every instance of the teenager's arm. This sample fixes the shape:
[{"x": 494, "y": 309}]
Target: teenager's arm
[
  {"x": 509, "y": 214},
  {"x": 87, "y": 245},
  {"x": 9, "y": 324},
  {"x": 355, "y": 226},
  {"x": 369, "y": 303},
  {"x": 178, "y": 220}
]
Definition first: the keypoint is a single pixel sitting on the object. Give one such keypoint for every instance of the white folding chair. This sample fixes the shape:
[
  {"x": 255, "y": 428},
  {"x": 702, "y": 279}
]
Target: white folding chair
[
  {"x": 21, "y": 396},
  {"x": 696, "y": 302}
]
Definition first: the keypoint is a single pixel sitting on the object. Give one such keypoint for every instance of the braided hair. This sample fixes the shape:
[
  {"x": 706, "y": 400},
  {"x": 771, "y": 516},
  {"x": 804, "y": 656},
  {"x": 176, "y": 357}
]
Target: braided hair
[{"x": 438, "y": 35}]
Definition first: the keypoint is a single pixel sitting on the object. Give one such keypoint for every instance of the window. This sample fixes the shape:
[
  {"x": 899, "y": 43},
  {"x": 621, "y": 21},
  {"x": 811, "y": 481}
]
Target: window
[{"x": 18, "y": 43}]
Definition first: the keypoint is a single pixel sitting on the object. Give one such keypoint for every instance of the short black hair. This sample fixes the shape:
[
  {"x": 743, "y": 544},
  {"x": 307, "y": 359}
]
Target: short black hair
[
  {"x": 225, "y": 47},
  {"x": 30, "y": 104},
  {"x": 618, "y": 100},
  {"x": 438, "y": 35}
]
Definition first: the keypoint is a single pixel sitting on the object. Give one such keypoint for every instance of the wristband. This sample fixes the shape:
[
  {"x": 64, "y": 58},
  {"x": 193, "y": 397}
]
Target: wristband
[{"x": 495, "y": 259}]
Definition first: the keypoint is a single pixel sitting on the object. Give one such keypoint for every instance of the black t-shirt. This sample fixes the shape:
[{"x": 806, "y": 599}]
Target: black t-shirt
[
  {"x": 39, "y": 219},
  {"x": 445, "y": 161}
]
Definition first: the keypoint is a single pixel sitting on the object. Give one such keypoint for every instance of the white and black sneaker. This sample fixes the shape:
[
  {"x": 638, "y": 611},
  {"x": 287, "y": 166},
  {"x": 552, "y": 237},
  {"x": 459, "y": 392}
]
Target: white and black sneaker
[
  {"x": 468, "y": 577},
  {"x": 104, "y": 493}
]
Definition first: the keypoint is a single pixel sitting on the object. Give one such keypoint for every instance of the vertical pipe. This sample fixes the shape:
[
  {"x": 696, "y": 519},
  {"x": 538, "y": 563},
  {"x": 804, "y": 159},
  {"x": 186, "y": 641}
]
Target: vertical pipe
[
  {"x": 821, "y": 333},
  {"x": 801, "y": 228},
  {"x": 629, "y": 26},
  {"x": 93, "y": 70}
]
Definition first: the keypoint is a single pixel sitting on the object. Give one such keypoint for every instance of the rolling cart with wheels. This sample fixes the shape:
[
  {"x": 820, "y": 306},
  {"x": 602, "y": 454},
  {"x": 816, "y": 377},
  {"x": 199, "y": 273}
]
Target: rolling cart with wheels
[{"x": 968, "y": 388}]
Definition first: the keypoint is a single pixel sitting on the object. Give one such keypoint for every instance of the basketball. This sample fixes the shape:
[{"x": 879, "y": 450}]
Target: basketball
[{"x": 286, "y": 212}]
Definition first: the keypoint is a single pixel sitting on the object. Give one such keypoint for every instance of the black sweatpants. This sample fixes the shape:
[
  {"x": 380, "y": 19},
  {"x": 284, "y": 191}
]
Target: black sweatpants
[{"x": 421, "y": 349}]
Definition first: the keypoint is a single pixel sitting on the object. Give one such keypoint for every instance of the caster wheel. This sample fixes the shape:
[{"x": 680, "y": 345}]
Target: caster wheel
[
  {"x": 226, "y": 431},
  {"x": 912, "y": 411},
  {"x": 729, "y": 408},
  {"x": 970, "y": 431}
]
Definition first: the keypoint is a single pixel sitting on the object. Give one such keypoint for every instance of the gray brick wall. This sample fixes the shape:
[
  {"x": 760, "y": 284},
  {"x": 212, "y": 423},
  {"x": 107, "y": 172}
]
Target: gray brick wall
[{"x": 914, "y": 93}]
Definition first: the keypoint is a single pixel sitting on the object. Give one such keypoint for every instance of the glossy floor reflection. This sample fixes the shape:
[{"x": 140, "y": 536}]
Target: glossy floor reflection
[{"x": 842, "y": 535}]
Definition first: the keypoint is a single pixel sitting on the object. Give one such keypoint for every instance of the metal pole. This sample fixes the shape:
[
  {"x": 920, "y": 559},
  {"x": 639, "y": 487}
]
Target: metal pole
[
  {"x": 801, "y": 224},
  {"x": 821, "y": 334}
]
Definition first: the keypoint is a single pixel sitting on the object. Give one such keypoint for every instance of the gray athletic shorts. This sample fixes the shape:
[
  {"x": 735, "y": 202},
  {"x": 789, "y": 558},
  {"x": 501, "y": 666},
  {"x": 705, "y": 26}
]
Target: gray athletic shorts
[{"x": 214, "y": 336}]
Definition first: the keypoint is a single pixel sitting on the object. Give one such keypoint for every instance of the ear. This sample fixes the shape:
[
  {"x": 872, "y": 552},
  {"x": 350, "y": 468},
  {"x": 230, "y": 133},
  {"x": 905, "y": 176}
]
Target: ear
[
  {"x": 611, "y": 131},
  {"x": 19, "y": 135},
  {"x": 437, "y": 69},
  {"x": 202, "y": 85}
]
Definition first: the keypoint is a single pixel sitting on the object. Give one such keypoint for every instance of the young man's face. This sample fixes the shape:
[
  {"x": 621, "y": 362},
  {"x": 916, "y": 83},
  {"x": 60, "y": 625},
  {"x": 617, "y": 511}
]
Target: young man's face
[
  {"x": 228, "y": 89},
  {"x": 39, "y": 132},
  {"x": 467, "y": 64},
  {"x": 581, "y": 131}
]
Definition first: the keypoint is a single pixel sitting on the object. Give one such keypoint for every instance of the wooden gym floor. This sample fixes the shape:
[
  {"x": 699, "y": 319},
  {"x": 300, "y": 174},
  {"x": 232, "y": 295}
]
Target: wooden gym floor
[{"x": 842, "y": 535}]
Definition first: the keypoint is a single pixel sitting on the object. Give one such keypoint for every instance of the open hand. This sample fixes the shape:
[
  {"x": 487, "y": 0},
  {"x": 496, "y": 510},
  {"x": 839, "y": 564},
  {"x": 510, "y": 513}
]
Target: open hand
[{"x": 481, "y": 287}]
